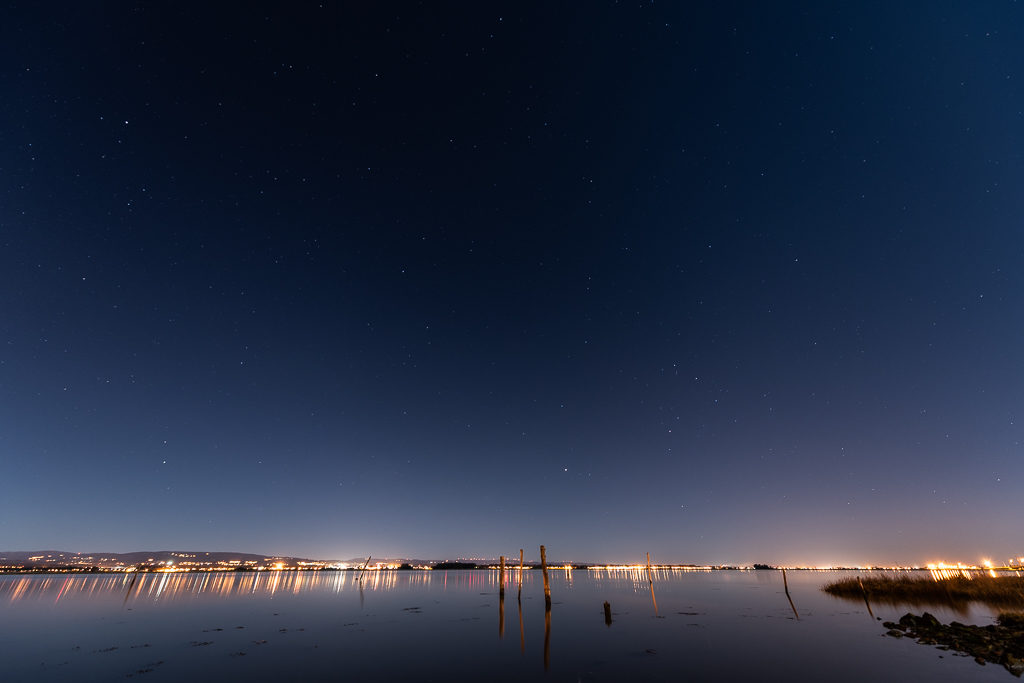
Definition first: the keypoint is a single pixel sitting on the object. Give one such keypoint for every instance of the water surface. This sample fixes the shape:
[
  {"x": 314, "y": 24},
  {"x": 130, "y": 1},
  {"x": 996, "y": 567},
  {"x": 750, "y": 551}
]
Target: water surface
[{"x": 272, "y": 626}]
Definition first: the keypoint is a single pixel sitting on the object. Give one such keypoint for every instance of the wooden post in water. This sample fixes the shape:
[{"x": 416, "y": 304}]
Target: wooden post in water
[
  {"x": 520, "y": 574},
  {"x": 650, "y": 579},
  {"x": 865, "y": 593},
  {"x": 607, "y": 613},
  {"x": 363, "y": 569},
  {"x": 501, "y": 578},
  {"x": 547, "y": 586}
]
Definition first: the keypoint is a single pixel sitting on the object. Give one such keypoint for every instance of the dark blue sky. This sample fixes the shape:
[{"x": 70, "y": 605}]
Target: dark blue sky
[{"x": 726, "y": 283}]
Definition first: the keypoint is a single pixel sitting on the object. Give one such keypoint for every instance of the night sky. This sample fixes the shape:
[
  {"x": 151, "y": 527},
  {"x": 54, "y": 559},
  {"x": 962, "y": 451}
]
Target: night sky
[{"x": 728, "y": 283}]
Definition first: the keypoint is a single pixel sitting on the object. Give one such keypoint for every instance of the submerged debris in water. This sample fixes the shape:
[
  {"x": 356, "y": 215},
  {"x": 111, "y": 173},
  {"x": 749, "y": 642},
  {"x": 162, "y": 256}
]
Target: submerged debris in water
[{"x": 147, "y": 668}]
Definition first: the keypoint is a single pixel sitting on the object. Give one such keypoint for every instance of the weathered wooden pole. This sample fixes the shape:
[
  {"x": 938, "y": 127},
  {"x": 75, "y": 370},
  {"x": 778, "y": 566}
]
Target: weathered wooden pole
[
  {"x": 650, "y": 581},
  {"x": 501, "y": 578},
  {"x": 520, "y": 573},
  {"x": 607, "y": 613},
  {"x": 547, "y": 586},
  {"x": 363, "y": 569}
]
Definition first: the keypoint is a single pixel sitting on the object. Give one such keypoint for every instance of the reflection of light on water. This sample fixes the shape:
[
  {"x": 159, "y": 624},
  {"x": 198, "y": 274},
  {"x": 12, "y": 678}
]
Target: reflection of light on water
[
  {"x": 637, "y": 575},
  {"x": 638, "y": 567},
  {"x": 62, "y": 589},
  {"x": 159, "y": 587},
  {"x": 941, "y": 570},
  {"x": 167, "y": 586}
]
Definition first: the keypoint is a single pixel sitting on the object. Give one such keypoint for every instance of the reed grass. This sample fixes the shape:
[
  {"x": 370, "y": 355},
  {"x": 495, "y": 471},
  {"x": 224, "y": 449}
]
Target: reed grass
[{"x": 919, "y": 590}]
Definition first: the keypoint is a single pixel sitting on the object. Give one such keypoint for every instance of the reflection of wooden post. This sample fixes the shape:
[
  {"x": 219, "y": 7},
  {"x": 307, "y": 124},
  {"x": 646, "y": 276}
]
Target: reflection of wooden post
[
  {"x": 547, "y": 636},
  {"x": 520, "y": 573},
  {"x": 650, "y": 580},
  {"x": 607, "y": 614},
  {"x": 501, "y": 615},
  {"x": 785, "y": 586},
  {"x": 522, "y": 636},
  {"x": 501, "y": 578},
  {"x": 547, "y": 586},
  {"x": 135, "y": 575},
  {"x": 865, "y": 593}
]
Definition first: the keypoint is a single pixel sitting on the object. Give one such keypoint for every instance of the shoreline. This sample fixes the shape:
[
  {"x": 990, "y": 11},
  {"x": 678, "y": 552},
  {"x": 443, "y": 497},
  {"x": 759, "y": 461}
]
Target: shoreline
[{"x": 480, "y": 567}]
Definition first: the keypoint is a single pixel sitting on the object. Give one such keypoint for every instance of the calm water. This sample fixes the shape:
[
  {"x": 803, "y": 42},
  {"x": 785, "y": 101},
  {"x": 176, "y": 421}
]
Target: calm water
[{"x": 275, "y": 626}]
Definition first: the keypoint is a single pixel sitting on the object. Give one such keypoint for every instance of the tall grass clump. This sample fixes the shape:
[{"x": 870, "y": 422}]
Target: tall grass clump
[{"x": 999, "y": 591}]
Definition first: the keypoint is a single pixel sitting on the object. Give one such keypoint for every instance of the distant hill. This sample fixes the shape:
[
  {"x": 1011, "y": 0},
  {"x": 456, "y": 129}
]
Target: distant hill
[
  {"x": 194, "y": 559},
  {"x": 42, "y": 558},
  {"x": 358, "y": 561},
  {"x": 455, "y": 565}
]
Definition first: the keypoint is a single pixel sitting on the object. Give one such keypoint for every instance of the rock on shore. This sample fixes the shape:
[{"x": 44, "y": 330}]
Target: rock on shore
[{"x": 1001, "y": 643}]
